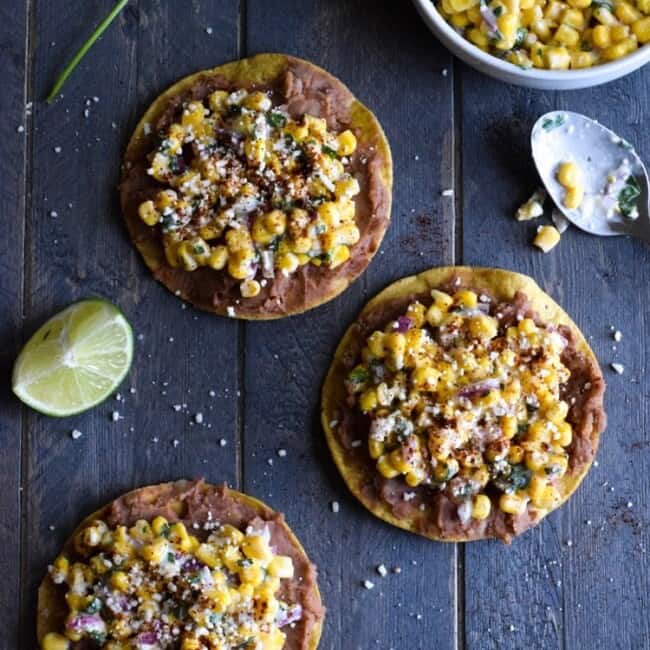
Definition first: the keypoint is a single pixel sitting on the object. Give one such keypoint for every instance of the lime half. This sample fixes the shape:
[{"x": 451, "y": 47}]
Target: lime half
[{"x": 76, "y": 360}]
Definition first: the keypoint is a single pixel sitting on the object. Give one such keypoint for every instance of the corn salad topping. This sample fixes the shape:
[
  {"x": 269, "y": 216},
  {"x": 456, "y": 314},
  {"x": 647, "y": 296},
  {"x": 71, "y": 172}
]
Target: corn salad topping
[
  {"x": 550, "y": 33},
  {"x": 156, "y": 586},
  {"x": 465, "y": 405},
  {"x": 250, "y": 190}
]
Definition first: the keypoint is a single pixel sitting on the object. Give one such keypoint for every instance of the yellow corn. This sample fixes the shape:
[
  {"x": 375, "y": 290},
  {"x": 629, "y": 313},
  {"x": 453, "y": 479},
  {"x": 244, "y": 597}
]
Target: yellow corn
[
  {"x": 481, "y": 507},
  {"x": 547, "y": 237},
  {"x": 347, "y": 143},
  {"x": 53, "y": 641},
  {"x": 148, "y": 213},
  {"x": 512, "y": 504}
]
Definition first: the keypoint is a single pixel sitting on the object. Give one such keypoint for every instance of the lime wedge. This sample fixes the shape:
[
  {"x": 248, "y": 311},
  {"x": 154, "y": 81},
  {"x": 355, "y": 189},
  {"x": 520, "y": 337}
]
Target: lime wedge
[{"x": 76, "y": 360}]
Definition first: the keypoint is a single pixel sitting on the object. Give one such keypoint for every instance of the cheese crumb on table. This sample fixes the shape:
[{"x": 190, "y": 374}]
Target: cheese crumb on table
[{"x": 532, "y": 208}]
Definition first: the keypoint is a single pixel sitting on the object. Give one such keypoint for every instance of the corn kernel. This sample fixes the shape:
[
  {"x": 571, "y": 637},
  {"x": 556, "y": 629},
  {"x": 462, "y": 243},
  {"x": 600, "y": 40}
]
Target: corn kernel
[
  {"x": 218, "y": 258},
  {"x": 641, "y": 29},
  {"x": 481, "y": 507},
  {"x": 148, "y": 213},
  {"x": 368, "y": 400},
  {"x": 385, "y": 468},
  {"x": 347, "y": 143},
  {"x": 512, "y": 504},
  {"x": 466, "y": 299},
  {"x": 250, "y": 288},
  {"x": 53, "y": 641},
  {"x": 547, "y": 237},
  {"x": 281, "y": 566}
]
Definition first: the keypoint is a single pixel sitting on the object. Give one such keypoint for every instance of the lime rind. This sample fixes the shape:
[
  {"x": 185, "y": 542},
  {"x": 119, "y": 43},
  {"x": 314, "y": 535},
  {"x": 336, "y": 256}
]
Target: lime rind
[{"x": 75, "y": 360}]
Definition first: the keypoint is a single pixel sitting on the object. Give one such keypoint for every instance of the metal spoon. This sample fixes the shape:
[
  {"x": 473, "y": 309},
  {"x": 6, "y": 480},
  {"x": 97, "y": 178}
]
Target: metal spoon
[{"x": 615, "y": 179}]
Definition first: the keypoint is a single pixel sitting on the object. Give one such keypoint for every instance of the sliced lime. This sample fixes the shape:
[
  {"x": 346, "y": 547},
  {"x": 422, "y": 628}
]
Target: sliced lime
[{"x": 75, "y": 360}]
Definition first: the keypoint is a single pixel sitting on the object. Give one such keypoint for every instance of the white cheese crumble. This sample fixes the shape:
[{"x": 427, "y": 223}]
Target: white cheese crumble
[
  {"x": 382, "y": 570},
  {"x": 618, "y": 368},
  {"x": 76, "y": 434},
  {"x": 335, "y": 506},
  {"x": 368, "y": 584}
]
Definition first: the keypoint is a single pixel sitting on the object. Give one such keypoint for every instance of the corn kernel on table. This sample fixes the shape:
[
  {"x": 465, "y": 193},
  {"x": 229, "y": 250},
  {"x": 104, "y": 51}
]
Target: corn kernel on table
[{"x": 239, "y": 402}]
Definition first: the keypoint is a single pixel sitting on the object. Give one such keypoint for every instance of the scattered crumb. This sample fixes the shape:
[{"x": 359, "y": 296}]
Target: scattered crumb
[
  {"x": 445, "y": 72},
  {"x": 356, "y": 443},
  {"x": 629, "y": 504},
  {"x": 175, "y": 442},
  {"x": 618, "y": 368},
  {"x": 449, "y": 192},
  {"x": 335, "y": 506},
  {"x": 569, "y": 543},
  {"x": 382, "y": 570},
  {"x": 115, "y": 416},
  {"x": 155, "y": 440},
  {"x": 282, "y": 453},
  {"x": 231, "y": 311},
  {"x": 618, "y": 336},
  {"x": 20, "y": 128},
  {"x": 76, "y": 434},
  {"x": 223, "y": 442},
  {"x": 198, "y": 418},
  {"x": 58, "y": 149},
  {"x": 397, "y": 570},
  {"x": 532, "y": 208},
  {"x": 368, "y": 584},
  {"x": 54, "y": 214},
  {"x": 208, "y": 31}
]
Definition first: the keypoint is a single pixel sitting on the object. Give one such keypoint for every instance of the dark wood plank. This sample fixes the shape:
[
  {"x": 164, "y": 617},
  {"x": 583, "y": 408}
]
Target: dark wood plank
[
  {"x": 84, "y": 250},
  {"x": 13, "y": 137},
  {"x": 568, "y": 583},
  {"x": 286, "y": 361}
]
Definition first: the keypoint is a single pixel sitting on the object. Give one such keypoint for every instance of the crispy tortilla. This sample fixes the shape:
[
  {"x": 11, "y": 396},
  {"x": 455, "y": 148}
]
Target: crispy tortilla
[
  {"x": 305, "y": 88},
  {"x": 187, "y": 501},
  {"x": 383, "y": 497}
]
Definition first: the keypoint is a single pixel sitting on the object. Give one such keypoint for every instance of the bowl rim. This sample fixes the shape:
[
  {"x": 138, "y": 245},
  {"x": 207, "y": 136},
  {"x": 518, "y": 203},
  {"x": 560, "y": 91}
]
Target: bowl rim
[{"x": 628, "y": 63}]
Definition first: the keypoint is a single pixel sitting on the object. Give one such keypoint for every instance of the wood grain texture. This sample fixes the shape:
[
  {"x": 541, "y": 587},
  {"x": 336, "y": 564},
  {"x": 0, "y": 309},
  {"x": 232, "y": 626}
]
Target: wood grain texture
[
  {"x": 85, "y": 250},
  {"x": 286, "y": 362},
  {"x": 565, "y": 584},
  {"x": 257, "y": 385},
  {"x": 13, "y": 140}
]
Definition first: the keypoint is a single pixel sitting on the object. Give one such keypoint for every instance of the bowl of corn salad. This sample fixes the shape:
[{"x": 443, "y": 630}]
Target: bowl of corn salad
[{"x": 546, "y": 44}]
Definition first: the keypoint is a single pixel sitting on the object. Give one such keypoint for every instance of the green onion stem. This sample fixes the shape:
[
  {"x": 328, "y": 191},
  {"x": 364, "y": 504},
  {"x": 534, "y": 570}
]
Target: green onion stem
[{"x": 101, "y": 28}]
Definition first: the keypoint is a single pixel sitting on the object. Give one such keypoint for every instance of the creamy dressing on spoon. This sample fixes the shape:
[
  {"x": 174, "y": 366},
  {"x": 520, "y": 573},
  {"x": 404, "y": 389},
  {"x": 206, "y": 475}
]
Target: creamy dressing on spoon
[{"x": 614, "y": 179}]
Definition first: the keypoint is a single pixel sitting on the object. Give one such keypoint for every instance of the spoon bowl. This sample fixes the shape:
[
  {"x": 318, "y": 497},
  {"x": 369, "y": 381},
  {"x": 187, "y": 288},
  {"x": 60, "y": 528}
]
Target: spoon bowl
[{"x": 614, "y": 177}]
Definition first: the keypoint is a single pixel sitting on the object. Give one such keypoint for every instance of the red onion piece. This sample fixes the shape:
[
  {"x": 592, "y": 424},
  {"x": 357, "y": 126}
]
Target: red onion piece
[
  {"x": 404, "y": 324},
  {"x": 479, "y": 389}
]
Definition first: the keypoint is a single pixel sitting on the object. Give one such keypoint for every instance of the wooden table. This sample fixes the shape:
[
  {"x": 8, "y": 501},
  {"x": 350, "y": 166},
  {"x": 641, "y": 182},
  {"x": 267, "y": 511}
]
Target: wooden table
[{"x": 579, "y": 580}]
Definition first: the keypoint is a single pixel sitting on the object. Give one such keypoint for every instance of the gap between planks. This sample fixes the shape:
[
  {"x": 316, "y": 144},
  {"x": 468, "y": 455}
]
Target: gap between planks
[
  {"x": 457, "y": 258},
  {"x": 27, "y": 168}
]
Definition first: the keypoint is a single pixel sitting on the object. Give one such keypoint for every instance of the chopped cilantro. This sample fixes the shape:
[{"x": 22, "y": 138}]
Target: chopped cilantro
[
  {"x": 94, "y": 606},
  {"x": 276, "y": 120},
  {"x": 522, "y": 427},
  {"x": 98, "y": 637},
  {"x": 244, "y": 644},
  {"x": 199, "y": 250},
  {"x": 522, "y": 32},
  {"x": 602, "y": 4},
  {"x": 329, "y": 151},
  {"x": 165, "y": 531},
  {"x": 245, "y": 563},
  {"x": 519, "y": 477},
  {"x": 358, "y": 376},
  {"x": 171, "y": 557},
  {"x": 627, "y": 197},
  {"x": 497, "y": 11},
  {"x": 552, "y": 123}
]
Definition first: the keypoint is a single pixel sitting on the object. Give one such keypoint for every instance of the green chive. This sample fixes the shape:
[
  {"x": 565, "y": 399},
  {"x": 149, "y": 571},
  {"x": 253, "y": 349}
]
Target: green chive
[{"x": 62, "y": 78}]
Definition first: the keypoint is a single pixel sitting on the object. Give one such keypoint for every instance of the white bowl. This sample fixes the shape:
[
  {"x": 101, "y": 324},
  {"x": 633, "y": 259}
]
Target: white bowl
[{"x": 533, "y": 77}]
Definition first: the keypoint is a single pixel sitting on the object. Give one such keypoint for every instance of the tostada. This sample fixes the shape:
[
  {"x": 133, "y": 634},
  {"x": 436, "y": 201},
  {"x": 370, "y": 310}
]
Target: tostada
[
  {"x": 463, "y": 404},
  {"x": 185, "y": 566},
  {"x": 258, "y": 189}
]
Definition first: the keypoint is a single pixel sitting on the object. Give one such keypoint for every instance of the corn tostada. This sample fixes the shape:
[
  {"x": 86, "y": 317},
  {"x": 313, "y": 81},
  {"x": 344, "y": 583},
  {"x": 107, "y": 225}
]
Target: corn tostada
[
  {"x": 463, "y": 404},
  {"x": 183, "y": 565},
  {"x": 258, "y": 189}
]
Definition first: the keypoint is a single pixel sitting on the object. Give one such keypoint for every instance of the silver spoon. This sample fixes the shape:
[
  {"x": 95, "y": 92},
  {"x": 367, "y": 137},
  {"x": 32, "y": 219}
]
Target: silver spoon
[{"x": 615, "y": 179}]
